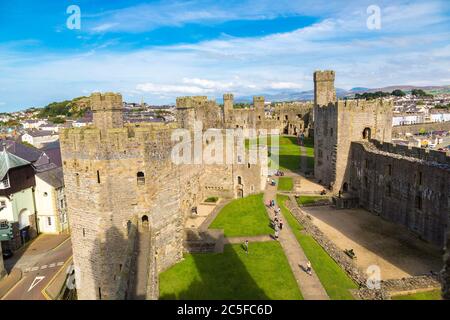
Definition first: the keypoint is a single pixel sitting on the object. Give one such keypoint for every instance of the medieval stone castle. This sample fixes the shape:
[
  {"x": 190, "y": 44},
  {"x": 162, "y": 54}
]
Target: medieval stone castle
[{"x": 128, "y": 202}]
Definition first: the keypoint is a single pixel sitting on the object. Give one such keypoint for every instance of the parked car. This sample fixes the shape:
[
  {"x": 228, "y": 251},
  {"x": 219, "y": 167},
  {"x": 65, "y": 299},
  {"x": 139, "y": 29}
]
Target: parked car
[{"x": 7, "y": 254}]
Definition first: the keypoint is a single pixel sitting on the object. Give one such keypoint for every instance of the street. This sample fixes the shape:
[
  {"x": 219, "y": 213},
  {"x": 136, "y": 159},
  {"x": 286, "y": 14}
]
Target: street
[{"x": 39, "y": 262}]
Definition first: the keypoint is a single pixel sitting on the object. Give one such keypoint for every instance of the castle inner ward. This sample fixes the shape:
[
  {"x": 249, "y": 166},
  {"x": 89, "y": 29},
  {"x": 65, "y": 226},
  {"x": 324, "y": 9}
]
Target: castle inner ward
[{"x": 128, "y": 203}]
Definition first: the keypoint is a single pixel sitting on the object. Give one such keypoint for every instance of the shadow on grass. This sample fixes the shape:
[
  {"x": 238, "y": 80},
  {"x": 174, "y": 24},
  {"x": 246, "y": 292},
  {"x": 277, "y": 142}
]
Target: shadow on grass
[{"x": 218, "y": 276}]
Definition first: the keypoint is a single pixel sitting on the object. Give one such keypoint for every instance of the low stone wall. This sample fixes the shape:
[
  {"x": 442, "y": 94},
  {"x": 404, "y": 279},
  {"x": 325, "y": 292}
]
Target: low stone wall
[
  {"x": 335, "y": 253},
  {"x": 388, "y": 287},
  {"x": 208, "y": 241}
]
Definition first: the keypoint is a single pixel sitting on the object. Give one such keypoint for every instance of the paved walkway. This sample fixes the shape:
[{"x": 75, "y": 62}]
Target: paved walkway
[
  {"x": 236, "y": 240},
  {"x": 303, "y": 159},
  {"x": 309, "y": 285}
]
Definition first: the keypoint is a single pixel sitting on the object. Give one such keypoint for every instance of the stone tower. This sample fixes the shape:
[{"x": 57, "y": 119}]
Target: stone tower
[
  {"x": 107, "y": 110},
  {"x": 324, "y": 91},
  {"x": 337, "y": 124},
  {"x": 123, "y": 193},
  {"x": 258, "y": 104},
  {"x": 228, "y": 102}
]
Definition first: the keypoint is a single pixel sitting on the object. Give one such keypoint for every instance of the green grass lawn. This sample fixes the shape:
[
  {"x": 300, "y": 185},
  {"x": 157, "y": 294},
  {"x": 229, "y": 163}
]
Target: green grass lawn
[
  {"x": 427, "y": 295},
  {"x": 304, "y": 200},
  {"x": 309, "y": 146},
  {"x": 243, "y": 217},
  {"x": 285, "y": 184},
  {"x": 262, "y": 274},
  {"x": 335, "y": 281},
  {"x": 288, "y": 152}
]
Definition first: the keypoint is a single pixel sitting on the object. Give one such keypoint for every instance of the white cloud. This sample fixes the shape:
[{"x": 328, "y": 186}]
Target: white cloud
[
  {"x": 244, "y": 66},
  {"x": 285, "y": 85},
  {"x": 172, "y": 89}
]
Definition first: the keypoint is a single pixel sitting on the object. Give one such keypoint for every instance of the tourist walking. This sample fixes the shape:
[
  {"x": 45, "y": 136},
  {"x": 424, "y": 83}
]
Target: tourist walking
[
  {"x": 246, "y": 246},
  {"x": 281, "y": 224},
  {"x": 276, "y": 233},
  {"x": 308, "y": 268}
]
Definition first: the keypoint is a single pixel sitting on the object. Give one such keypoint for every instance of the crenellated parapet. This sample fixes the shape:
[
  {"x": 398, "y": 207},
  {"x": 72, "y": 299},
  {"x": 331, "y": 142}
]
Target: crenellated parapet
[
  {"x": 113, "y": 142},
  {"x": 192, "y": 101},
  {"x": 106, "y": 101},
  {"x": 362, "y": 105},
  {"x": 432, "y": 156}
]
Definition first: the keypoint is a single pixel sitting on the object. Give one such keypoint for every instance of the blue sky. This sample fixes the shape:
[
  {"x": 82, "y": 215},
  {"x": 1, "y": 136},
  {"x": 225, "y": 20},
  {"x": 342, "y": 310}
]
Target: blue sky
[{"x": 158, "y": 50}]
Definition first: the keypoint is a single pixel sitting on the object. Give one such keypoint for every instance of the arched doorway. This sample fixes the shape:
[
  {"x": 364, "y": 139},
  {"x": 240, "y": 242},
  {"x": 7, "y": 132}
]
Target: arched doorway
[
  {"x": 366, "y": 134},
  {"x": 144, "y": 220},
  {"x": 345, "y": 187},
  {"x": 24, "y": 218}
]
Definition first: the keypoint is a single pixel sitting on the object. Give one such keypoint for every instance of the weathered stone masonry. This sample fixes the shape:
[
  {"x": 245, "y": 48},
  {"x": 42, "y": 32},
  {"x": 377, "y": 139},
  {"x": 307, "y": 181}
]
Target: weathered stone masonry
[{"x": 115, "y": 174}]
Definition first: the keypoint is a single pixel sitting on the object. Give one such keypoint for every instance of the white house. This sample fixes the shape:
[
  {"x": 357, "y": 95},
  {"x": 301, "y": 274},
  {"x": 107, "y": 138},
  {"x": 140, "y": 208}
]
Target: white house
[
  {"x": 51, "y": 202},
  {"x": 32, "y": 124},
  {"x": 38, "y": 138}
]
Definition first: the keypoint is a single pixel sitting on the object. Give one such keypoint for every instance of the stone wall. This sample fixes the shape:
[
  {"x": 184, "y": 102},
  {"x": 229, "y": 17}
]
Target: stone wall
[
  {"x": 398, "y": 131},
  {"x": 116, "y": 174},
  {"x": 2, "y": 266},
  {"x": 337, "y": 125},
  {"x": 387, "y": 287},
  {"x": 290, "y": 118},
  {"x": 404, "y": 185}
]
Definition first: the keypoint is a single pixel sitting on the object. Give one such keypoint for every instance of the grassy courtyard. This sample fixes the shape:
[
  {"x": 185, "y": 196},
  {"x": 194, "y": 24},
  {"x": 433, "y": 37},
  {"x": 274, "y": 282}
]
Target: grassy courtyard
[
  {"x": 262, "y": 274},
  {"x": 243, "y": 217},
  {"x": 285, "y": 184},
  {"x": 309, "y": 146},
  {"x": 335, "y": 281},
  {"x": 427, "y": 295},
  {"x": 306, "y": 200}
]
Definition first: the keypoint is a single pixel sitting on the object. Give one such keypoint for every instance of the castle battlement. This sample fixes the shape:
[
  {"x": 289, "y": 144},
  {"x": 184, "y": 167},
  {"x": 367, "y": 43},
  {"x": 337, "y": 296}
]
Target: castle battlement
[
  {"x": 193, "y": 101},
  {"x": 392, "y": 149},
  {"x": 106, "y": 101},
  {"x": 326, "y": 75},
  {"x": 94, "y": 140},
  {"x": 358, "y": 105},
  {"x": 228, "y": 96},
  {"x": 259, "y": 99}
]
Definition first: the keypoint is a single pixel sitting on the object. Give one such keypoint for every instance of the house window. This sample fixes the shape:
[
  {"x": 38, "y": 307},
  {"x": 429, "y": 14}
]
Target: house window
[
  {"x": 248, "y": 165},
  {"x": 140, "y": 178},
  {"x": 45, "y": 194},
  {"x": 4, "y": 224},
  {"x": 84, "y": 232},
  {"x": 239, "y": 180},
  {"x": 49, "y": 221},
  {"x": 2, "y": 204},
  {"x": 98, "y": 176},
  {"x": 62, "y": 204}
]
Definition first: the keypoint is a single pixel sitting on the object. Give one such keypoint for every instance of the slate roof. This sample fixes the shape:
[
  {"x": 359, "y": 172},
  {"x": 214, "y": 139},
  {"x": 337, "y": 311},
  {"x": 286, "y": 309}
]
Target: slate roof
[
  {"x": 30, "y": 154},
  {"x": 40, "y": 133},
  {"x": 9, "y": 161},
  {"x": 53, "y": 177}
]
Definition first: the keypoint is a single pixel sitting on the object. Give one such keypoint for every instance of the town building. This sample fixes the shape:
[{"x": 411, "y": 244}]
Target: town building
[{"x": 39, "y": 138}]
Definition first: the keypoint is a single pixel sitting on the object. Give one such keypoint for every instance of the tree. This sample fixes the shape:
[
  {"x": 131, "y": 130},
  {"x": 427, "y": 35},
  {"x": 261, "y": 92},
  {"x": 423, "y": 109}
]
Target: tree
[{"x": 398, "y": 93}]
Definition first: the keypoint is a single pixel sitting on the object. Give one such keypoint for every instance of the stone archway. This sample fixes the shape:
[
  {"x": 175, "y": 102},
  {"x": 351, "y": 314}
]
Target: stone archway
[
  {"x": 366, "y": 133},
  {"x": 144, "y": 221}
]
